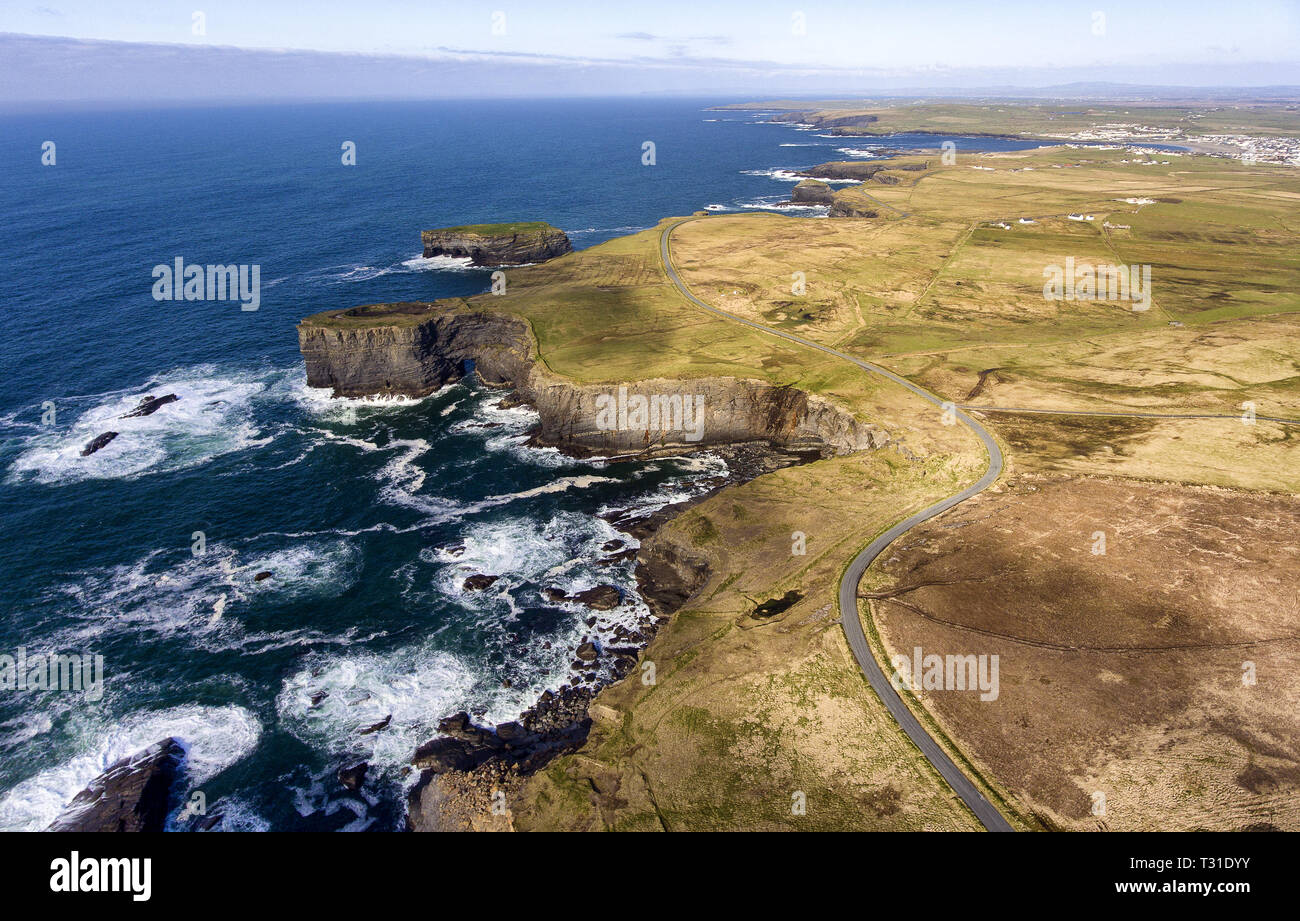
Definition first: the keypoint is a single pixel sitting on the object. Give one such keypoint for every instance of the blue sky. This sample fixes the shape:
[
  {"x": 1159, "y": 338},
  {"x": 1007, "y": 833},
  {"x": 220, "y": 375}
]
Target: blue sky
[{"x": 793, "y": 42}]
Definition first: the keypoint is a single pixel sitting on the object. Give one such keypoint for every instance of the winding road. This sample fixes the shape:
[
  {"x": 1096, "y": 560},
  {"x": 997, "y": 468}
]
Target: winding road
[{"x": 848, "y": 597}]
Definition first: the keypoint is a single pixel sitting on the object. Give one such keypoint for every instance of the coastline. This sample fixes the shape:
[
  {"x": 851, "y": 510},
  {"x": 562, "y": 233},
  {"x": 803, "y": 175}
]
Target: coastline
[
  {"x": 448, "y": 797},
  {"x": 414, "y": 348}
]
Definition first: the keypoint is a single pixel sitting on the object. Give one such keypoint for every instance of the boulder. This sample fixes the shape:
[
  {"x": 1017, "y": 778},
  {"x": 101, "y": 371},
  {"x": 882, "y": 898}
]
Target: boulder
[
  {"x": 443, "y": 756},
  {"x": 150, "y": 405},
  {"x": 600, "y": 598},
  {"x": 97, "y": 442},
  {"x": 457, "y": 722},
  {"x": 208, "y": 822},
  {"x": 353, "y": 777},
  {"x": 134, "y": 794},
  {"x": 479, "y": 582}
]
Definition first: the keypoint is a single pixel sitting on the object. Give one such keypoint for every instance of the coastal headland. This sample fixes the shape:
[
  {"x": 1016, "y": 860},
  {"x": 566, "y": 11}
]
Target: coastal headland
[{"x": 757, "y": 716}]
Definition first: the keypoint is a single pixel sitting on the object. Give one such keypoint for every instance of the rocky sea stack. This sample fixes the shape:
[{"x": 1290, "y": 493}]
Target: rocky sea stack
[
  {"x": 812, "y": 192},
  {"x": 491, "y": 245}
]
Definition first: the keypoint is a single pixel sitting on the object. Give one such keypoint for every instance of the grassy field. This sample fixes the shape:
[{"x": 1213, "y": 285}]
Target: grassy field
[
  {"x": 1222, "y": 241},
  {"x": 956, "y": 303},
  {"x": 747, "y": 712}
]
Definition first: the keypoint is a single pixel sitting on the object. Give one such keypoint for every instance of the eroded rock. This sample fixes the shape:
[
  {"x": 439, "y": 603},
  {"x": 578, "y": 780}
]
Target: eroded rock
[{"x": 134, "y": 794}]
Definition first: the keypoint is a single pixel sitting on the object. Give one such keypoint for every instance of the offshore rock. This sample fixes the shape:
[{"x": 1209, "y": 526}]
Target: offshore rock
[
  {"x": 150, "y": 405},
  {"x": 134, "y": 794},
  {"x": 97, "y": 442},
  {"x": 812, "y": 192}
]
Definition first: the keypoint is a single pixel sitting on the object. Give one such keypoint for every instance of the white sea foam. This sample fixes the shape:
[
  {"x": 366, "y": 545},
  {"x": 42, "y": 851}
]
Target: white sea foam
[
  {"x": 517, "y": 549},
  {"x": 237, "y": 815},
  {"x": 760, "y": 204},
  {"x": 415, "y": 686},
  {"x": 215, "y": 738},
  {"x": 361, "y": 271},
  {"x": 708, "y": 465},
  {"x": 440, "y": 264},
  {"x": 561, "y": 485},
  {"x": 505, "y": 429},
  {"x": 322, "y": 404},
  {"x": 193, "y": 598},
  {"x": 630, "y": 228},
  {"x": 212, "y": 417},
  {"x": 784, "y": 175}
]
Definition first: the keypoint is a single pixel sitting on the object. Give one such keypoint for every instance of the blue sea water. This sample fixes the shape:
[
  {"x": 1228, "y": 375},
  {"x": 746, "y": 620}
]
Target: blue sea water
[{"x": 368, "y": 515}]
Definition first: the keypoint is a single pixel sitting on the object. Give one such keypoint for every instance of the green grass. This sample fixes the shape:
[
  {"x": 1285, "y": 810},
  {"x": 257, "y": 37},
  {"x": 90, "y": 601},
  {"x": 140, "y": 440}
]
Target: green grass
[{"x": 503, "y": 229}]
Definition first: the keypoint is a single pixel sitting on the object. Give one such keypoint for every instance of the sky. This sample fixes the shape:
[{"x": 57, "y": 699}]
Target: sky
[{"x": 648, "y": 45}]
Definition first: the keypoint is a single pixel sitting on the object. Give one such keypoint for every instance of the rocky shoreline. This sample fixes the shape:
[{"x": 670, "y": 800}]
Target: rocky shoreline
[
  {"x": 414, "y": 349},
  {"x": 467, "y": 764}
]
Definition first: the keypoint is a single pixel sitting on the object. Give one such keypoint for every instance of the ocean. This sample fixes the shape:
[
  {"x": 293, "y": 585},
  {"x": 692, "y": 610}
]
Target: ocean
[{"x": 368, "y": 515}]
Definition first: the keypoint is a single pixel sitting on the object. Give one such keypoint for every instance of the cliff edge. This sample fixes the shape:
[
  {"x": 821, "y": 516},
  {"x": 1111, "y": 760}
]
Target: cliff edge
[{"x": 414, "y": 348}]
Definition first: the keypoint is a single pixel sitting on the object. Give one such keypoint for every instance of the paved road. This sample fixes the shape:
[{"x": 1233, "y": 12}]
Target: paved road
[{"x": 960, "y": 783}]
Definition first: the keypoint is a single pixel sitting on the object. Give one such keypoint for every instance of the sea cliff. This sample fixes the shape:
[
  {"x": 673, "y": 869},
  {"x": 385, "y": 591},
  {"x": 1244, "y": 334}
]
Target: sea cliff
[{"x": 414, "y": 348}]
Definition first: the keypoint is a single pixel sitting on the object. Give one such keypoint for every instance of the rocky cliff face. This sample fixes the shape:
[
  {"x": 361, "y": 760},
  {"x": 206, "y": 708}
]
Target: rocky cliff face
[
  {"x": 410, "y": 349},
  {"x": 498, "y": 244},
  {"x": 852, "y": 203},
  {"x": 826, "y": 120},
  {"x": 413, "y": 349}
]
